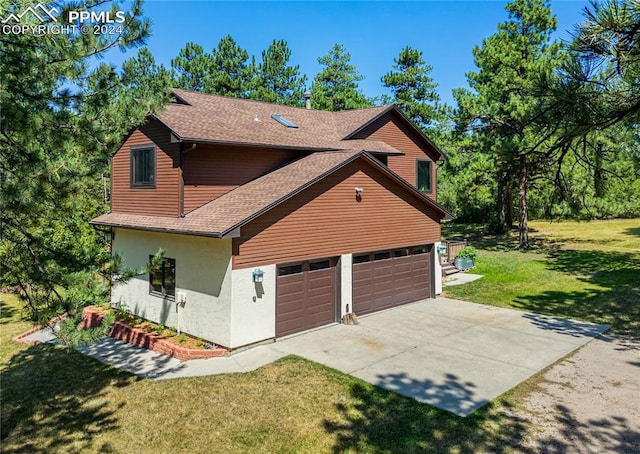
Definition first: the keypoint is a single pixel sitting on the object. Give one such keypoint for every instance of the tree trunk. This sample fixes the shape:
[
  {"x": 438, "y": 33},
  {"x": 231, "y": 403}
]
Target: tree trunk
[
  {"x": 509, "y": 206},
  {"x": 597, "y": 172},
  {"x": 523, "y": 241},
  {"x": 500, "y": 212}
]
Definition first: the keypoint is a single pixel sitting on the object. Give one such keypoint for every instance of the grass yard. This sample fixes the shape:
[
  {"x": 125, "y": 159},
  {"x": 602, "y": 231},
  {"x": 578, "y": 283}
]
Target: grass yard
[
  {"x": 584, "y": 270},
  {"x": 54, "y": 400}
]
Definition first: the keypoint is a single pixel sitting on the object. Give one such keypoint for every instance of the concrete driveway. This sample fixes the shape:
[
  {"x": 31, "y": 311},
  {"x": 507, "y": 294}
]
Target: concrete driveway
[{"x": 454, "y": 355}]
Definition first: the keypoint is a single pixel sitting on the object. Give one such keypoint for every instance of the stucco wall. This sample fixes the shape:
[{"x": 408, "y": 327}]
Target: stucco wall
[
  {"x": 437, "y": 271},
  {"x": 253, "y": 315},
  {"x": 203, "y": 273},
  {"x": 346, "y": 284}
]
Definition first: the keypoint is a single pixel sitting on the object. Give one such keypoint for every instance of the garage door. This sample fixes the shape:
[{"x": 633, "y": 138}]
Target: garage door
[
  {"x": 386, "y": 279},
  {"x": 305, "y": 296}
]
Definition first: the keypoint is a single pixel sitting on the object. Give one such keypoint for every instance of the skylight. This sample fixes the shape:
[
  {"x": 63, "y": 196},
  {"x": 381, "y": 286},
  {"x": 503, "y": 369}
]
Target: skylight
[{"x": 280, "y": 119}]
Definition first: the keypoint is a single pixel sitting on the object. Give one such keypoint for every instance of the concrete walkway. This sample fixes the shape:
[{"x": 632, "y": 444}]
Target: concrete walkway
[
  {"x": 454, "y": 355},
  {"x": 460, "y": 278}
]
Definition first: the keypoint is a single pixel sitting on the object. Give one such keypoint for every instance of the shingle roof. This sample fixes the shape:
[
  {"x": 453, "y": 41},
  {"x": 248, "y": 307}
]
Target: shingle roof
[
  {"x": 212, "y": 118},
  {"x": 239, "y": 206}
]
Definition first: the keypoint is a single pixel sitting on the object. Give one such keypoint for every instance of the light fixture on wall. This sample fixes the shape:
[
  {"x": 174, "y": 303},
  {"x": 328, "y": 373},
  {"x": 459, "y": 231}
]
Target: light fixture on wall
[
  {"x": 358, "y": 193},
  {"x": 258, "y": 275}
]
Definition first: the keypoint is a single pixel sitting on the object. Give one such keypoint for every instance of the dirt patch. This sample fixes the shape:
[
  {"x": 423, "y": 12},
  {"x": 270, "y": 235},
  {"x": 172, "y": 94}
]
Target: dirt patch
[{"x": 590, "y": 402}]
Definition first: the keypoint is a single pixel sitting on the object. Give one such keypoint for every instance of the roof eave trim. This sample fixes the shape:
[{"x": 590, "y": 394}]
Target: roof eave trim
[
  {"x": 179, "y": 138},
  {"x": 157, "y": 229}
]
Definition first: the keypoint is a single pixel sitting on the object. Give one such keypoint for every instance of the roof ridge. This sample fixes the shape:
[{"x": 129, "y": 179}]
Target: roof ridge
[
  {"x": 383, "y": 106},
  {"x": 255, "y": 101}
]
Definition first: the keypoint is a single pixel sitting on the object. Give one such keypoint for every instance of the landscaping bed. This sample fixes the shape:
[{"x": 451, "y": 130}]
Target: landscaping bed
[{"x": 158, "y": 338}]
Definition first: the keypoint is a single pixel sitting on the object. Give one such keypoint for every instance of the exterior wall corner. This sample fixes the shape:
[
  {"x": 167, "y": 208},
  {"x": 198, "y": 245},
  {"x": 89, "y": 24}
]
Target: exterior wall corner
[
  {"x": 253, "y": 307},
  {"x": 346, "y": 285},
  {"x": 437, "y": 269}
]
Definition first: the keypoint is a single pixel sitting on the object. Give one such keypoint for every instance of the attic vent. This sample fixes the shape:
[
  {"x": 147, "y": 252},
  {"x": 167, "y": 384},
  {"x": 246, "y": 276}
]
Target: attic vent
[{"x": 280, "y": 119}]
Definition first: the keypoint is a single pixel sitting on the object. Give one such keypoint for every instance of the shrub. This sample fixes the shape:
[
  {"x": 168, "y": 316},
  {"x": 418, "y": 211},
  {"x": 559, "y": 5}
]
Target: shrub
[{"x": 468, "y": 252}]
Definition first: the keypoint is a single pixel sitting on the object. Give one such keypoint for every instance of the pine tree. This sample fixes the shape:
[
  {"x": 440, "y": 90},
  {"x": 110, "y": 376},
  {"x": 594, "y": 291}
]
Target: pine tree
[
  {"x": 609, "y": 37},
  {"x": 502, "y": 107},
  {"x": 335, "y": 88},
  {"x": 230, "y": 74},
  {"x": 193, "y": 68},
  {"x": 61, "y": 120},
  {"x": 275, "y": 80},
  {"x": 145, "y": 81},
  {"x": 413, "y": 89}
]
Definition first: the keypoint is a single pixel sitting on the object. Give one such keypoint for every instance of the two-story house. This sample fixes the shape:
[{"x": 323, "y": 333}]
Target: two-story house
[{"x": 273, "y": 219}]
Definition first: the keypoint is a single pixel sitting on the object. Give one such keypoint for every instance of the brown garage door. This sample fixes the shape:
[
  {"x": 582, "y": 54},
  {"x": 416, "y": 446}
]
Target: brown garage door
[
  {"x": 385, "y": 279},
  {"x": 305, "y": 296}
]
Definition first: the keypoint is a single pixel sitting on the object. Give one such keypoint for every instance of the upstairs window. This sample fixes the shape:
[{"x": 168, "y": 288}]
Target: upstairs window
[
  {"x": 423, "y": 175},
  {"x": 143, "y": 167},
  {"x": 162, "y": 282}
]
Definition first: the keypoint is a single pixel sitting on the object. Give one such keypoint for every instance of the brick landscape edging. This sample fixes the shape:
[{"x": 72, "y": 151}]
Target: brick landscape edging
[
  {"x": 139, "y": 338},
  {"x": 20, "y": 337}
]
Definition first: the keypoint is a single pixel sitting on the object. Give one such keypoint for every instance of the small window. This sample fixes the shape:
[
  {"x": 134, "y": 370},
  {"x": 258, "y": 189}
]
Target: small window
[
  {"x": 423, "y": 175},
  {"x": 162, "y": 282},
  {"x": 361, "y": 258},
  {"x": 419, "y": 250},
  {"x": 143, "y": 167},
  {"x": 382, "y": 256},
  {"x": 314, "y": 266},
  {"x": 290, "y": 269},
  {"x": 400, "y": 253}
]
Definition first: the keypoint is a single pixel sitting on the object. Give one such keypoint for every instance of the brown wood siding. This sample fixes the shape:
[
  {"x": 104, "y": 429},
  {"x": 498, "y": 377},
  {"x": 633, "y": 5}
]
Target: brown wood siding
[
  {"x": 327, "y": 220},
  {"x": 390, "y": 130},
  {"x": 211, "y": 171},
  {"x": 164, "y": 199}
]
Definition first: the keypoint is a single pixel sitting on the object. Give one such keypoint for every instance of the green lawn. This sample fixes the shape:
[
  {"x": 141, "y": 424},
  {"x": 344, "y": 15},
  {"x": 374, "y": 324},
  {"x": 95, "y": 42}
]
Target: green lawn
[
  {"x": 54, "y": 400},
  {"x": 588, "y": 271}
]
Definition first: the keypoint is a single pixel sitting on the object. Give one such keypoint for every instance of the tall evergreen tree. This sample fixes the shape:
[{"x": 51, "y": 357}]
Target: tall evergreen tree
[
  {"x": 414, "y": 91},
  {"x": 231, "y": 73},
  {"x": 193, "y": 68},
  {"x": 142, "y": 79},
  {"x": 275, "y": 80},
  {"x": 502, "y": 108},
  {"x": 336, "y": 86},
  {"x": 609, "y": 37},
  {"x": 61, "y": 120}
]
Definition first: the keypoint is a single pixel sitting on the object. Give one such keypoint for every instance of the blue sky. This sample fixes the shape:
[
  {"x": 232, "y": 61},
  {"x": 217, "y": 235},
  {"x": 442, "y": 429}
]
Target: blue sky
[{"x": 373, "y": 32}]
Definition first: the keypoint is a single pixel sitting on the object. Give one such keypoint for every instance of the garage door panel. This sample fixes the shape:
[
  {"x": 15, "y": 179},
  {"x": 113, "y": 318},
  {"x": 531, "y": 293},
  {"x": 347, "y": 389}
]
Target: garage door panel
[
  {"x": 306, "y": 299},
  {"x": 381, "y": 284}
]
